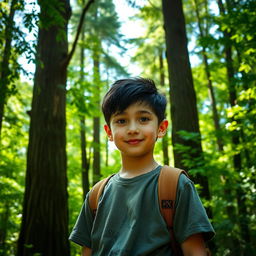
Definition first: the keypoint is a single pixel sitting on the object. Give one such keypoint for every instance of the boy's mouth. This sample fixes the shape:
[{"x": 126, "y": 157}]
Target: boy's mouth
[{"x": 133, "y": 141}]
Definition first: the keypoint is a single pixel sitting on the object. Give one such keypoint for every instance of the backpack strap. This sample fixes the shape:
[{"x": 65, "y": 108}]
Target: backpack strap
[
  {"x": 167, "y": 188},
  {"x": 95, "y": 193}
]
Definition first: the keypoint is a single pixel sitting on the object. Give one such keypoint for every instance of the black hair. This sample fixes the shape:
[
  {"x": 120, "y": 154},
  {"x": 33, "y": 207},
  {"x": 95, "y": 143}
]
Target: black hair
[{"x": 125, "y": 92}]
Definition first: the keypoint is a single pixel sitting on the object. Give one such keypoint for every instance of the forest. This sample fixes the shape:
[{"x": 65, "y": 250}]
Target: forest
[{"x": 57, "y": 60}]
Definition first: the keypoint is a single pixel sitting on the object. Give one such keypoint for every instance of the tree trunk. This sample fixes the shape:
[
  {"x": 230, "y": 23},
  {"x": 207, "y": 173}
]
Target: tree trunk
[
  {"x": 85, "y": 158},
  {"x": 96, "y": 150},
  {"x": 209, "y": 82},
  {"x": 96, "y": 121},
  {"x": 83, "y": 143},
  {"x": 162, "y": 83},
  {"x": 4, "y": 218},
  {"x": 44, "y": 228},
  {"x": 4, "y": 65},
  {"x": 182, "y": 94}
]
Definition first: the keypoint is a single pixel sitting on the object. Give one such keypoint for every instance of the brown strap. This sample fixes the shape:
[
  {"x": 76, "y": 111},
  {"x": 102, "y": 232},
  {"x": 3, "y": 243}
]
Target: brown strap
[
  {"x": 96, "y": 192},
  {"x": 167, "y": 187}
]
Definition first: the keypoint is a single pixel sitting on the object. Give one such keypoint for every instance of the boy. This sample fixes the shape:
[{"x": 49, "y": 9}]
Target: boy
[{"x": 128, "y": 220}]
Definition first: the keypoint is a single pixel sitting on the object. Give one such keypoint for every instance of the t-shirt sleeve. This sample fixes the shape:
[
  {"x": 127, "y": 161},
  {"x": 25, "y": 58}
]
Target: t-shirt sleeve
[
  {"x": 81, "y": 233},
  {"x": 190, "y": 216}
]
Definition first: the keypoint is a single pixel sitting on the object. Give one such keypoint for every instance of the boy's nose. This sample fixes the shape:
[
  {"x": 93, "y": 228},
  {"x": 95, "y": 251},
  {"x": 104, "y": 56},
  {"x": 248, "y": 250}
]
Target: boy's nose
[{"x": 133, "y": 128}]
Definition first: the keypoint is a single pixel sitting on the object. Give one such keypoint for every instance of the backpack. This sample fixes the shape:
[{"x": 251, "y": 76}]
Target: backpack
[{"x": 167, "y": 186}]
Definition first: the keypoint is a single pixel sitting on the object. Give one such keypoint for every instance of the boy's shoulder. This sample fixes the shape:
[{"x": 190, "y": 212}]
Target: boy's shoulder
[{"x": 96, "y": 192}]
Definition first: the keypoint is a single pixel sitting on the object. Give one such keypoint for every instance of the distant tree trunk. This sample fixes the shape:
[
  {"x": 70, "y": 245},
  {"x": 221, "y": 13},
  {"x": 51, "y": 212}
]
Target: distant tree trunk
[
  {"x": 83, "y": 143},
  {"x": 237, "y": 158},
  {"x": 96, "y": 122},
  {"x": 4, "y": 218},
  {"x": 96, "y": 150},
  {"x": 182, "y": 94},
  {"x": 162, "y": 82},
  {"x": 4, "y": 82},
  {"x": 44, "y": 228},
  {"x": 215, "y": 113},
  {"x": 85, "y": 157},
  {"x": 4, "y": 65}
]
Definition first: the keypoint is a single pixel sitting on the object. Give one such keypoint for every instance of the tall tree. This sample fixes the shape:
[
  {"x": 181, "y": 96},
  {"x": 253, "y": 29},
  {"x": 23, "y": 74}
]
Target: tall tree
[
  {"x": 96, "y": 118},
  {"x": 182, "y": 94},
  {"x": 45, "y": 216},
  {"x": 8, "y": 61},
  {"x": 44, "y": 228},
  {"x": 4, "y": 82},
  {"x": 83, "y": 142},
  {"x": 203, "y": 34}
]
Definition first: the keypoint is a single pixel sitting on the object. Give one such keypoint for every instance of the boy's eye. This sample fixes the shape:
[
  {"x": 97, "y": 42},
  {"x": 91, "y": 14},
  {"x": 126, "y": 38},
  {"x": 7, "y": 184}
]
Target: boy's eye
[
  {"x": 144, "y": 119},
  {"x": 120, "y": 121}
]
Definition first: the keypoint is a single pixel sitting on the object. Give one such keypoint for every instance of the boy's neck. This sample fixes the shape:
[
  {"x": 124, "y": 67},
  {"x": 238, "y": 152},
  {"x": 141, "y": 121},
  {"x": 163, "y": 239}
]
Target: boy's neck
[{"x": 132, "y": 167}]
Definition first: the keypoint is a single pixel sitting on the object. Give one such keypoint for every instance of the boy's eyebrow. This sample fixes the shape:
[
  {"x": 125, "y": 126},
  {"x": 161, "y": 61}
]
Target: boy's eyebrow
[
  {"x": 145, "y": 112},
  {"x": 138, "y": 112},
  {"x": 118, "y": 113}
]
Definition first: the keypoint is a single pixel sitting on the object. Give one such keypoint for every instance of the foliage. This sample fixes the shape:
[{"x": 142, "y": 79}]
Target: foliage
[
  {"x": 24, "y": 23},
  {"x": 152, "y": 42},
  {"x": 12, "y": 167}
]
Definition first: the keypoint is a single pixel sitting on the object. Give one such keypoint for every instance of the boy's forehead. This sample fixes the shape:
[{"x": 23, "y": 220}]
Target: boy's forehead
[{"x": 137, "y": 107}]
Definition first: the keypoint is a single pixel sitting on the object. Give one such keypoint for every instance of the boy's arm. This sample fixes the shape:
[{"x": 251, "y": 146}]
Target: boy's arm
[
  {"x": 86, "y": 251},
  {"x": 194, "y": 246}
]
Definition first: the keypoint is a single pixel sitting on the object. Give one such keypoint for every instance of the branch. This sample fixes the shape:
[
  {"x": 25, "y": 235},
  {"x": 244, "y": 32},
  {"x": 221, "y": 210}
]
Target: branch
[
  {"x": 80, "y": 25},
  {"x": 155, "y": 7}
]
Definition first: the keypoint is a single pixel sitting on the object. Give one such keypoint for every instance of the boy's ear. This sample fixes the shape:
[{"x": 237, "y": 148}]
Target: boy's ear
[
  {"x": 162, "y": 128},
  {"x": 108, "y": 132}
]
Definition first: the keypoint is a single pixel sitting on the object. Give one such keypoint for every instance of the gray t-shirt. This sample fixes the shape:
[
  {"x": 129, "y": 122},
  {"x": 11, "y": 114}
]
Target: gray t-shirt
[{"x": 128, "y": 220}]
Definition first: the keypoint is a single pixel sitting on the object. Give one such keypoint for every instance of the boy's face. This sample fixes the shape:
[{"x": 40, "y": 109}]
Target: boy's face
[{"x": 135, "y": 130}]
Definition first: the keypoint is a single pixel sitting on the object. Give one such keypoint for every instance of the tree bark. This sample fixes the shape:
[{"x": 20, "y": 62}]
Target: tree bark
[
  {"x": 44, "y": 228},
  {"x": 96, "y": 120},
  {"x": 4, "y": 65},
  {"x": 83, "y": 143},
  {"x": 182, "y": 94},
  {"x": 96, "y": 150},
  {"x": 84, "y": 156}
]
